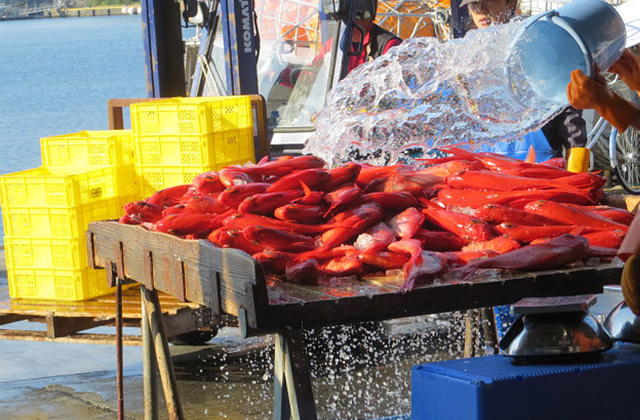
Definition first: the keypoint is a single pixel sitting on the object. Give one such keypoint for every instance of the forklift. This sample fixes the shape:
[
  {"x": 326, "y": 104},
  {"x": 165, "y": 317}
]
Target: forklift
[{"x": 291, "y": 52}]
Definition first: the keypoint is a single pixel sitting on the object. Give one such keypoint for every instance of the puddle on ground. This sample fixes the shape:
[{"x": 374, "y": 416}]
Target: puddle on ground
[{"x": 362, "y": 373}]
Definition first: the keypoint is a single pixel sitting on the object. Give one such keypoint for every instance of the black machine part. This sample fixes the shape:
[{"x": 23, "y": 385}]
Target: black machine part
[{"x": 342, "y": 9}]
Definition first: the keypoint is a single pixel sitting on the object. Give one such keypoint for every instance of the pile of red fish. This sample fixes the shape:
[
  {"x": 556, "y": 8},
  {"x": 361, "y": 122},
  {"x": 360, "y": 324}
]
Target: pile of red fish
[{"x": 463, "y": 212}]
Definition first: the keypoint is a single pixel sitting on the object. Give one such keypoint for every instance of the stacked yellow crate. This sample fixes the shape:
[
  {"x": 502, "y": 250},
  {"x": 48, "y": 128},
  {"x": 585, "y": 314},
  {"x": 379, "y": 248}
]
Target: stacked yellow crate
[
  {"x": 179, "y": 138},
  {"x": 86, "y": 177}
]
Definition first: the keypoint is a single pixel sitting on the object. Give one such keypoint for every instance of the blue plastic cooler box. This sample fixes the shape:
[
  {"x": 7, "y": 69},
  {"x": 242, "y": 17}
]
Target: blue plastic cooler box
[{"x": 492, "y": 388}]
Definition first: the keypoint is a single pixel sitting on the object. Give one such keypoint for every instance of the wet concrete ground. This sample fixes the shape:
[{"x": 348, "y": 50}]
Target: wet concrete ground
[{"x": 230, "y": 377}]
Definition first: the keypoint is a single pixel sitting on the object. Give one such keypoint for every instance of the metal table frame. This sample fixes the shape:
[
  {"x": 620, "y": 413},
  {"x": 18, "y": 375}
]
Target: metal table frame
[{"x": 230, "y": 282}]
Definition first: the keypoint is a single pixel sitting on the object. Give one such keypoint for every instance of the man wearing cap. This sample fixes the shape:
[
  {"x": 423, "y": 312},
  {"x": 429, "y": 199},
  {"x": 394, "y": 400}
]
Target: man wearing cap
[
  {"x": 567, "y": 129},
  {"x": 369, "y": 41}
]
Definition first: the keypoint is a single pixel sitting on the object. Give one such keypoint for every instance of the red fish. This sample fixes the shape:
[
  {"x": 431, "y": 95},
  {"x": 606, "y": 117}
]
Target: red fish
[
  {"x": 560, "y": 163},
  {"x": 376, "y": 238},
  {"x": 451, "y": 167},
  {"x": 368, "y": 173},
  {"x": 304, "y": 272},
  {"x": 272, "y": 238},
  {"x": 300, "y": 213},
  {"x": 344, "y": 174},
  {"x": 177, "y": 209},
  {"x": 188, "y": 223},
  {"x": 312, "y": 178},
  {"x": 407, "y": 223},
  {"x": 341, "y": 198},
  {"x": 266, "y": 203},
  {"x": 233, "y": 196},
  {"x": 191, "y": 192},
  {"x": 129, "y": 220},
  {"x": 613, "y": 213},
  {"x": 207, "y": 183},
  {"x": 417, "y": 184},
  {"x": 460, "y": 258},
  {"x": 466, "y": 227},
  {"x": 143, "y": 211},
  {"x": 282, "y": 167},
  {"x": 311, "y": 198},
  {"x": 234, "y": 175},
  {"x": 327, "y": 254},
  {"x": 501, "y": 244},
  {"x": 342, "y": 266},
  {"x": 495, "y": 213},
  {"x": 384, "y": 260},
  {"x": 606, "y": 239},
  {"x": 204, "y": 204},
  {"x": 352, "y": 223},
  {"x": 558, "y": 252},
  {"x": 398, "y": 200},
  {"x": 477, "y": 198},
  {"x": 526, "y": 234},
  {"x": 233, "y": 238},
  {"x": 496, "y": 181},
  {"x": 572, "y": 215},
  {"x": 274, "y": 261},
  {"x": 240, "y": 221},
  {"x": 439, "y": 241},
  {"x": 169, "y": 196},
  {"x": 420, "y": 262}
]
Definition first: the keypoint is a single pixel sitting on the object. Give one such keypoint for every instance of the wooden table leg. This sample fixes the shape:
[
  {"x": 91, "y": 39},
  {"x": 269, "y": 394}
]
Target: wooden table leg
[
  {"x": 489, "y": 331},
  {"x": 470, "y": 333},
  {"x": 163, "y": 357},
  {"x": 291, "y": 361},
  {"x": 281, "y": 409},
  {"x": 149, "y": 367}
]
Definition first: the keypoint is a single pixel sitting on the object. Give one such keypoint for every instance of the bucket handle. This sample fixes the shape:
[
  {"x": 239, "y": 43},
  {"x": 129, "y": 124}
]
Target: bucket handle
[{"x": 555, "y": 18}]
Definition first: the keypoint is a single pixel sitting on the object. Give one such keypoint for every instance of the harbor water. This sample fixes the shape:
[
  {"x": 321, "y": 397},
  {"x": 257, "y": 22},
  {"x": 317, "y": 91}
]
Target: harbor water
[{"x": 56, "y": 76}]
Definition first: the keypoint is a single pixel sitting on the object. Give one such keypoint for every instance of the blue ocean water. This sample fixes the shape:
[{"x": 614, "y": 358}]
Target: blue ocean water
[{"x": 56, "y": 76}]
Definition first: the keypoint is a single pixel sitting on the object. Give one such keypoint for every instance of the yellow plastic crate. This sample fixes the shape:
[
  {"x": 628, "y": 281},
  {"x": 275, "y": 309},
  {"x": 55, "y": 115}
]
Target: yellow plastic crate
[
  {"x": 48, "y": 253},
  {"x": 88, "y": 148},
  {"x": 216, "y": 150},
  {"x": 57, "y": 284},
  {"x": 154, "y": 178},
  {"x": 178, "y": 116},
  {"x": 50, "y": 222},
  {"x": 57, "y": 188}
]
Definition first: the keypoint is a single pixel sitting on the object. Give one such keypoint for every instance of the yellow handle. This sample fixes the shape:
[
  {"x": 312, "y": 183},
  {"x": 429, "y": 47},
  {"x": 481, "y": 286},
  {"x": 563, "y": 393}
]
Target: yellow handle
[{"x": 578, "y": 160}]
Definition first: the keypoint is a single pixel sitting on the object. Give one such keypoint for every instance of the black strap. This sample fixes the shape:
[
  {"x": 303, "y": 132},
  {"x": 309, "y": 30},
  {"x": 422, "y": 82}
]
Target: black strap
[{"x": 378, "y": 40}]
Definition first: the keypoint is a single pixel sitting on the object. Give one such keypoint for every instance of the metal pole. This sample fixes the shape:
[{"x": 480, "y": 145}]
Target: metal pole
[
  {"x": 119, "y": 344},
  {"x": 163, "y": 357},
  {"x": 149, "y": 368},
  {"x": 281, "y": 409}
]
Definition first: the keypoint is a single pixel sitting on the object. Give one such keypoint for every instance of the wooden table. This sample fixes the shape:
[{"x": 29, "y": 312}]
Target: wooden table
[{"x": 230, "y": 282}]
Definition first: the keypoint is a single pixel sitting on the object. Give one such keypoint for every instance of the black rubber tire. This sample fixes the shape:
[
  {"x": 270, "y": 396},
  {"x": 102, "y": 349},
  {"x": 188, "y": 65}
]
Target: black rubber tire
[{"x": 628, "y": 149}]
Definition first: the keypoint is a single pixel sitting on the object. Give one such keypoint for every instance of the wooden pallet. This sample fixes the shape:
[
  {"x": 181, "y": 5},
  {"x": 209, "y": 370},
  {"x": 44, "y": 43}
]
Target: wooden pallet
[{"x": 65, "y": 321}]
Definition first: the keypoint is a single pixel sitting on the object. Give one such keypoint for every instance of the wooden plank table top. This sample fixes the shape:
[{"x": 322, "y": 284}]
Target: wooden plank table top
[{"x": 231, "y": 282}]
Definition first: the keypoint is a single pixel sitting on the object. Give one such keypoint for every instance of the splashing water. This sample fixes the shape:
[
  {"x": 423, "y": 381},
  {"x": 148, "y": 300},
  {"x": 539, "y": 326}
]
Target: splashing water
[{"x": 426, "y": 94}]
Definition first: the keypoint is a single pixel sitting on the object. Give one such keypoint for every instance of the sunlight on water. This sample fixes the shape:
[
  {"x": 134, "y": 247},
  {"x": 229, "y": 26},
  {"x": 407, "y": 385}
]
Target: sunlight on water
[{"x": 426, "y": 94}]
